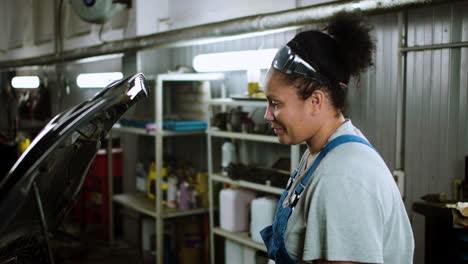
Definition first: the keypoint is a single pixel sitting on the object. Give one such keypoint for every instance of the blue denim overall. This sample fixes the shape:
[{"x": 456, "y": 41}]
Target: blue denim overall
[{"x": 273, "y": 236}]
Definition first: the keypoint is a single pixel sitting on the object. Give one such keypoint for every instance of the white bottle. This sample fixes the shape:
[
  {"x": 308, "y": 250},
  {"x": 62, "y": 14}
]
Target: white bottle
[
  {"x": 233, "y": 252},
  {"x": 234, "y": 209},
  {"x": 140, "y": 177},
  {"x": 262, "y": 211},
  {"x": 172, "y": 191},
  {"x": 248, "y": 255},
  {"x": 236, "y": 253},
  {"x": 228, "y": 155}
]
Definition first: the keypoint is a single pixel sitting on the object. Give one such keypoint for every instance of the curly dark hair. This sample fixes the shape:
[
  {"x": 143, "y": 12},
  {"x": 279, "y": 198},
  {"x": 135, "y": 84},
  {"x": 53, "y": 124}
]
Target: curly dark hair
[{"x": 344, "y": 52}]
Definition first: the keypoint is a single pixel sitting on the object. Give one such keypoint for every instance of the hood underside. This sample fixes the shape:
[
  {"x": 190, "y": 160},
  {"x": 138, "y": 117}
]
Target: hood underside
[{"x": 58, "y": 160}]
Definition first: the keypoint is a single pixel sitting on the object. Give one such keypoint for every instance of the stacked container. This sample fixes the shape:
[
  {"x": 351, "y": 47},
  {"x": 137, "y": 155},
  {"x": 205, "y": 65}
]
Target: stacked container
[
  {"x": 238, "y": 254},
  {"x": 262, "y": 212},
  {"x": 234, "y": 209}
]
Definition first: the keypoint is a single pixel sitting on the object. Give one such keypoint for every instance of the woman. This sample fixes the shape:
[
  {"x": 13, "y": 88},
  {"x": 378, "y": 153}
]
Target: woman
[{"x": 341, "y": 205}]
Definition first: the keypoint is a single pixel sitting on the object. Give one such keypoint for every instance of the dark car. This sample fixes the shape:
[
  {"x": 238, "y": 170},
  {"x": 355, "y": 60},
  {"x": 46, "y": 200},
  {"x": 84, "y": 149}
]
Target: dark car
[{"x": 44, "y": 183}]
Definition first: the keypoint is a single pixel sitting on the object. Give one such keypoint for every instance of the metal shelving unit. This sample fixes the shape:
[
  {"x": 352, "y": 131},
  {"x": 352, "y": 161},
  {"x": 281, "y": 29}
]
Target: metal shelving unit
[
  {"x": 164, "y": 133},
  {"x": 243, "y": 136},
  {"x": 239, "y": 237},
  {"x": 139, "y": 202},
  {"x": 247, "y": 184}
]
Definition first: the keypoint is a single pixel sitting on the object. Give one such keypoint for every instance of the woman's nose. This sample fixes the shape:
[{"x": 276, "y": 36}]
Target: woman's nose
[{"x": 268, "y": 114}]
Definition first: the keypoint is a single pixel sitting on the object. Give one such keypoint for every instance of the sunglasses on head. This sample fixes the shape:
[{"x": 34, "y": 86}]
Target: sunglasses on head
[{"x": 287, "y": 61}]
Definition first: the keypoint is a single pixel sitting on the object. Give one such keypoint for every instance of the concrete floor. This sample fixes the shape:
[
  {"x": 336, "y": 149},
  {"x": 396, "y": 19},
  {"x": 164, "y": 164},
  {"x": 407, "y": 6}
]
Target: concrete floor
[{"x": 90, "y": 247}]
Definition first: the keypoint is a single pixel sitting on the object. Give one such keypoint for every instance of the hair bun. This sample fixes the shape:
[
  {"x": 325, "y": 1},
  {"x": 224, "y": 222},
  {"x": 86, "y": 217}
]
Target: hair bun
[{"x": 352, "y": 34}]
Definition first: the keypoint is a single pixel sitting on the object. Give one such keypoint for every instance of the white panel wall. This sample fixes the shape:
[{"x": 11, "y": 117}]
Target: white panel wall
[
  {"x": 184, "y": 13},
  {"x": 18, "y": 30},
  {"x": 43, "y": 21},
  {"x": 152, "y": 16},
  {"x": 4, "y": 24},
  {"x": 27, "y": 28},
  {"x": 29, "y": 23}
]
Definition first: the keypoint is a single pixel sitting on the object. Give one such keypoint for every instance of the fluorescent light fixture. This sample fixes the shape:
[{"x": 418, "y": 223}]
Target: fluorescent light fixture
[
  {"x": 99, "y": 58},
  {"x": 97, "y": 80},
  {"x": 25, "y": 82},
  {"x": 234, "y": 61},
  {"x": 217, "y": 39}
]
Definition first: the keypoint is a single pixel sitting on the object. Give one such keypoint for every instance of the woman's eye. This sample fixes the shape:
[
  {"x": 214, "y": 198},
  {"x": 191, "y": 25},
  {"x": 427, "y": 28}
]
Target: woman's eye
[{"x": 273, "y": 104}]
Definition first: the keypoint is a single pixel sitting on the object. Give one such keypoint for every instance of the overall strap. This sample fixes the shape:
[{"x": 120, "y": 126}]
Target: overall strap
[{"x": 329, "y": 147}]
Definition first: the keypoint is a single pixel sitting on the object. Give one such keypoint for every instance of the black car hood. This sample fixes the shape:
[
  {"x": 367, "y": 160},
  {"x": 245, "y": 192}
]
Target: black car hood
[{"x": 59, "y": 158}]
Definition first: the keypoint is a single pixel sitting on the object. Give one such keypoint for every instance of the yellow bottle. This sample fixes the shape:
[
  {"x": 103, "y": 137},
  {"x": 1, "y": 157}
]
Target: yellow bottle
[
  {"x": 24, "y": 144},
  {"x": 201, "y": 185},
  {"x": 151, "y": 183},
  {"x": 253, "y": 81}
]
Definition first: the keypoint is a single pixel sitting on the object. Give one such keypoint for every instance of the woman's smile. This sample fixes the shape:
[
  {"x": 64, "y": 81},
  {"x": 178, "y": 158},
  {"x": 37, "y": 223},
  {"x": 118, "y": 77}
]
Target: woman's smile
[{"x": 278, "y": 129}]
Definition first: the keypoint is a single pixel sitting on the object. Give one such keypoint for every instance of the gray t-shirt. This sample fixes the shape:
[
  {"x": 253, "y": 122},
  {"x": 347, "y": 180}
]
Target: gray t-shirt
[{"x": 350, "y": 210}]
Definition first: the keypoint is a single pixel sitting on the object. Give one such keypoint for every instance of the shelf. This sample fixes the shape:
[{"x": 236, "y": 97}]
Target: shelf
[
  {"x": 170, "y": 213},
  {"x": 170, "y": 133},
  {"x": 244, "y": 136},
  {"x": 133, "y": 130},
  {"x": 188, "y": 77},
  {"x": 140, "y": 203},
  {"x": 240, "y": 237},
  {"x": 231, "y": 102},
  {"x": 165, "y": 133},
  {"x": 247, "y": 184}
]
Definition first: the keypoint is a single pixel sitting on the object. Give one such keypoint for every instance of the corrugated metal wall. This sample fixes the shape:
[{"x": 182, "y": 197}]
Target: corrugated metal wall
[
  {"x": 372, "y": 102},
  {"x": 436, "y": 106}
]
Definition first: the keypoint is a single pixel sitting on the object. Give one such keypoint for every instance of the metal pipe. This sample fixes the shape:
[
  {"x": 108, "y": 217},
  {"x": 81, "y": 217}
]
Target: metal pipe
[
  {"x": 110, "y": 187},
  {"x": 435, "y": 46},
  {"x": 401, "y": 94},
  {"x": 233, "y": 27},
  {"x": 45, "y": 229}
]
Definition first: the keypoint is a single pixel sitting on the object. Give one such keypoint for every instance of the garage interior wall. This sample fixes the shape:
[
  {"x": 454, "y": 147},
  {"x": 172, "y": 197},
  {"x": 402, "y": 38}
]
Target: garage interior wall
[
  {"x": 436, "y": 86},
  {"x": 436, "y": 134}
]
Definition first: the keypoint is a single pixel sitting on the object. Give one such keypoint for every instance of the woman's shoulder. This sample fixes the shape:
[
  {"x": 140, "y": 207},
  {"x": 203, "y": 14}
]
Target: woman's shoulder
[{"x": 356, "y": 163}]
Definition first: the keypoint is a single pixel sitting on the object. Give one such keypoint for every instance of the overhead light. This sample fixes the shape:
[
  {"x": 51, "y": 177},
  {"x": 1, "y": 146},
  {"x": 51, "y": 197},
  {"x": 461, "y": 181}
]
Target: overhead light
[
  {"x": 234, "y": 61},
  {"x": 97, "y": 80},
  {"x": 99, "y": 58},
  {"x": 217, "y": 39},
  {"x": 25, "y": 82}
]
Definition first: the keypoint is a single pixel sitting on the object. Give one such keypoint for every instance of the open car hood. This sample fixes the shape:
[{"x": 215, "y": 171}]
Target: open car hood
[{"x": 58, "y": 160}]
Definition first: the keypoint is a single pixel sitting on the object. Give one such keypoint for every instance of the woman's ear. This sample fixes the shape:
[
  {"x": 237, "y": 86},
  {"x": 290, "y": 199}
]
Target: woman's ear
[{"x": 316, "y": 101}]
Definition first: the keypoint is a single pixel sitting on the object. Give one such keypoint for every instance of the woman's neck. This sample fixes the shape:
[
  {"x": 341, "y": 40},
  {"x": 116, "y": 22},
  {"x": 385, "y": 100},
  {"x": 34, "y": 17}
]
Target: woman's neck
[{"x": 320, "y": 138}]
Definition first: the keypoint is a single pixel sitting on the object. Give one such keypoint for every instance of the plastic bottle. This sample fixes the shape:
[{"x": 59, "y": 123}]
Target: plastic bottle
[
  {"x": 228, "y": 155},
  {"x": 194, "y": 198},
  {"x": 172, "y": 192},
  {"x": 184, "y": 196},
  {"x": 234, "y": 252},
  {"x": 253, "y": 81},
  {"x": 234, "y": 209},
  {"x": 141, "y": 177},
  {"x": 262, "y": 211}
]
